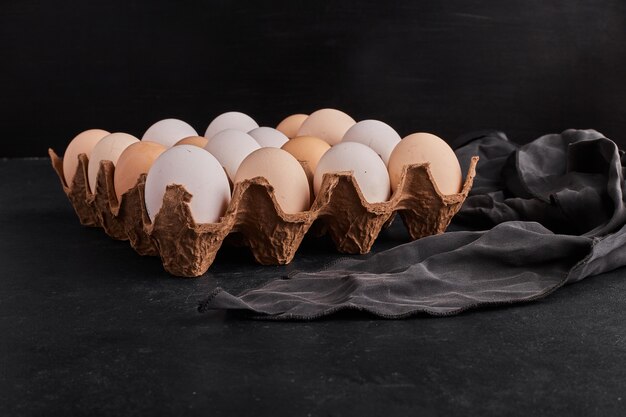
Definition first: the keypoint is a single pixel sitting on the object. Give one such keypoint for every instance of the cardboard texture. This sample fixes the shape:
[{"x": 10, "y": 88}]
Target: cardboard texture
[{"x": 254, "y": 218}]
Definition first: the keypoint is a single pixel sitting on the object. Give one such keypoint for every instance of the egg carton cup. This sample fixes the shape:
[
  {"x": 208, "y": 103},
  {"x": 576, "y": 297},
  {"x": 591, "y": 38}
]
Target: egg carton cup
[{"x": 188, "y": 249}]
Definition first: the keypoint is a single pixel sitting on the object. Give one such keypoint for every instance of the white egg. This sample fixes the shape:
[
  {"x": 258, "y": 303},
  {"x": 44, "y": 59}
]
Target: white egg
[
  {"x": 268, "y": 137},
  {"x": 168, "y": 131},
  {"x": 201, "y": 175},
  {"x": 366, "y": 166},
  {"x": 109, "y": 148},
  {"x": 378, "y": 135},
  {"x": 230, "y": 120},
  {"x": 230, "y": 147}
]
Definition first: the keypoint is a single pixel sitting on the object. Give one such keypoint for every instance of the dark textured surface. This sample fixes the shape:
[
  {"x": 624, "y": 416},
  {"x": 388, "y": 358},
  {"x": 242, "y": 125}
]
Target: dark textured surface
[
  {"x": 448, "y": 67},
  {"x": 88, "y": 326}
]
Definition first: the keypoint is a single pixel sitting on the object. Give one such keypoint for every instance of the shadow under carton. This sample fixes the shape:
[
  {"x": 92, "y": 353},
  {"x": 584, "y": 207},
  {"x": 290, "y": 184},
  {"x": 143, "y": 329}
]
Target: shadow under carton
[{"x": 188, "y": 249}]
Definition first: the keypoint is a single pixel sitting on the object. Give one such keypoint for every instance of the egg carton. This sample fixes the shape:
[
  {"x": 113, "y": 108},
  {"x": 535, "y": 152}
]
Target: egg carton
[{"x": 188, "y": 249}]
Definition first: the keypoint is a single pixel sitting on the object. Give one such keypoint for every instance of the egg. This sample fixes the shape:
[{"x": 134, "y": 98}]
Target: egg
[
  {"x": 201, "y": 175},
  {"x": 230, "y": 120},
  {"x": 329, "y": 125},
  {"x": 134, "y": 161},
  {"x": 230, "y": 147},
  {"x": 82, "y": 143},
  {"x": 420, "y": 148},
  {"x": 307, "y": 150},
  {"x": 168, "y": 131},
  {"x": 367, "y": 168},
  {"x": 268, "y": 137},
  {"x": 283, "y": 172},
  {"x": 291, "y": 124},
  {"x": 378, "y": 135},
  {"x": 109, "y": 148},
  {"x": 199, "y": 141}
]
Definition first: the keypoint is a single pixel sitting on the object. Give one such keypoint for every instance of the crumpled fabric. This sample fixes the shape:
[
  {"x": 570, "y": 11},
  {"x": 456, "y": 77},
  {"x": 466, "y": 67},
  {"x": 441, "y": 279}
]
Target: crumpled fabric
[{"x": 539, "y": 216}]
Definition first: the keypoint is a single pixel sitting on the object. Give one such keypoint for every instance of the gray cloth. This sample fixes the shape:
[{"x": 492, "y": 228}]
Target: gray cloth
[{"x": 551, "y": 212}]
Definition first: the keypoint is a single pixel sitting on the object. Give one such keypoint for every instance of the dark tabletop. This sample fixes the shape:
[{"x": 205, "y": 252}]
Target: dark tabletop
[{"x": 87, "y": 326}]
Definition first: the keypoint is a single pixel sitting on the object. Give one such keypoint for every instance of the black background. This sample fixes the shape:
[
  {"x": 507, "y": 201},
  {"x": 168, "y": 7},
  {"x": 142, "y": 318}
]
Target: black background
[{"x": 525, "y": 67}]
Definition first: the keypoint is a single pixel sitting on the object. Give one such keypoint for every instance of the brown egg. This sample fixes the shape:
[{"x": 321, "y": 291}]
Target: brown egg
[
  {"x": 420, "y": 148},
  {"x": 83, "y": 143},
  {"x": 199, "y": 141},
  {"x": 134, "y": 161},
  {"x": 307, "y": 150},
  {"x": 290, "y": 125},
  {"x": 283, "y": 172},
  {"x": 329, "y": 125}
]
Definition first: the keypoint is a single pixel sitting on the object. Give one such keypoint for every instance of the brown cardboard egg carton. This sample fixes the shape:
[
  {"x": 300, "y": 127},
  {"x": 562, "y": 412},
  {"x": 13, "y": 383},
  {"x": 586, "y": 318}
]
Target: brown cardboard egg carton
[{"x": 187, "y": 249}]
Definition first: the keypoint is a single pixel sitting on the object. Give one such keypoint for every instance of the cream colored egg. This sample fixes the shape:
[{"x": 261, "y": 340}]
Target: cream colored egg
[
  {"x": 307, "y": 150},
  {"x": 367, "y": 168},
  {"x": 230, "y": 120},
  {"x": 378, "y": 135},
  {"x": 168, "y": 131},
  {"x": 291, "y": 124},
  {"x": 230, "y": 147},
  {"x": 329, "y": 125},
  {"x": 84, "y": 142},
  {"x": 109, "y": 148},
  {"x": 199, "y": 141},
  {"x": 198, "y": 172},
  {"x": 420, "y": 148},
  {"x": 134, "y": 161},
  {"x": 268, "y": 137},
  {"x": 283, "y": 172}
]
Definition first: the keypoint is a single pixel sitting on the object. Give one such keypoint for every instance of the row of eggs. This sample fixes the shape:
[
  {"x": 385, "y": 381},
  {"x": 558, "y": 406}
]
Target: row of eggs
[{"x": 293, "y": 158}]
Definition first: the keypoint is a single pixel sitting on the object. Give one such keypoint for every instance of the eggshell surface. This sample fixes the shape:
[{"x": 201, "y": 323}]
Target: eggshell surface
[
  {"x": 230, "y": 120},
  {"x": 199, "y": 141},
  {"x": 168, "y": 131},
  {"x": 378, "y": 135},
  {"x": 84, "y": 142},
  {"x": 134, "y": 161},
  {"x": 283, "y": 172},
  {"x": 196, "y": 170},
  {"x": 230, "y": 147},
  {"x": 329, "y": 125},
  {"x": 419, "y": 148},
  {"x": 368, "y": 169},
  {"x": 291, "y": 124},
  {"x": 307, "y": 150},
  {"x": 109, "y": 148},
  {"x": 268, "y": 137}
]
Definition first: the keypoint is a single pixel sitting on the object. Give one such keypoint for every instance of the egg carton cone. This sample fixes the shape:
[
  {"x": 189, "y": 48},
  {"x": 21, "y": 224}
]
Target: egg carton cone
[{"x": 254, "y": 217}]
